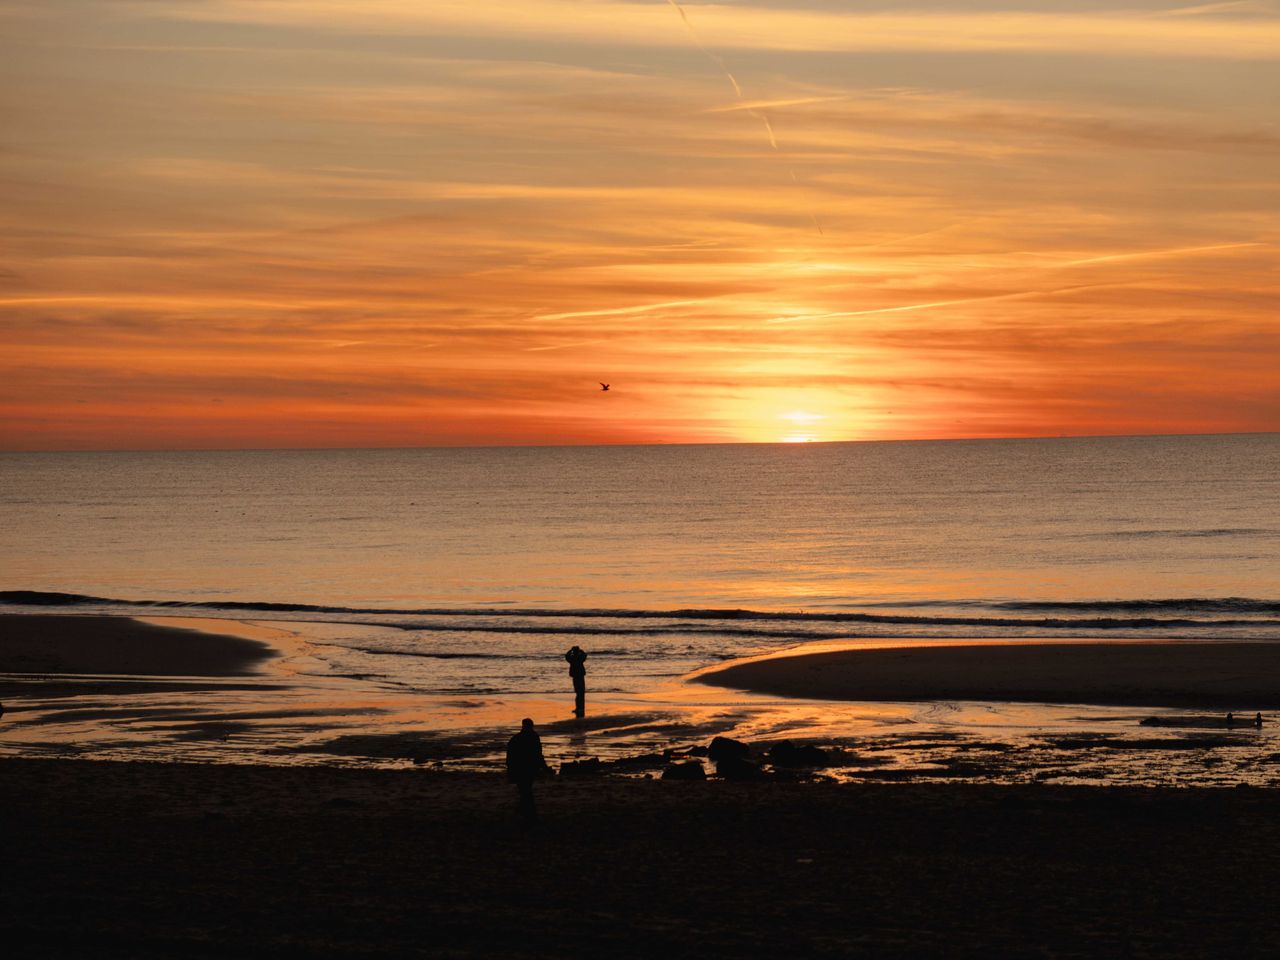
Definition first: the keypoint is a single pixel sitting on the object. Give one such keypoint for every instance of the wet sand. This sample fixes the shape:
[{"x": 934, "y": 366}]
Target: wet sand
[
  {"x": 1224, "y": 675},
  {"x": 160, "y": 860},
  {"x": 119, "y": 645}
]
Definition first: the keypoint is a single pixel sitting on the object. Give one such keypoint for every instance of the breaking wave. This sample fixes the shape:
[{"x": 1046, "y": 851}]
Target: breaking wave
[{"x": 1094, "y": 615}]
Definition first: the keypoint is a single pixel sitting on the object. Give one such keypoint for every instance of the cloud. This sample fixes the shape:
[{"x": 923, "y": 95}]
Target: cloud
[
  {"x": 1225, "y": 8},
  {"x": 1118, "y": 33}
]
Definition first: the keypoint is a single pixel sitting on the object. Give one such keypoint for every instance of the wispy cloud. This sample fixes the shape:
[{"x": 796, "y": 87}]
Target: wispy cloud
[
  {"x": 762, "y": 27},
  {"x": 405, "y": 222}
]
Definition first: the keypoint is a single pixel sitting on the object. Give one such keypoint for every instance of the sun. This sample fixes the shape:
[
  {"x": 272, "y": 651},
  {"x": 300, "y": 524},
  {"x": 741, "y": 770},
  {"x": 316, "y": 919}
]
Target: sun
[{"x": 803, "y": 423}]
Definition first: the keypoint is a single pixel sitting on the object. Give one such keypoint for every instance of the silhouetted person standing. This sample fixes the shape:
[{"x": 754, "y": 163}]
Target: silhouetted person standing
[
  {"x": 525, "y": 763},
  {"x": 577, "y": 659}
]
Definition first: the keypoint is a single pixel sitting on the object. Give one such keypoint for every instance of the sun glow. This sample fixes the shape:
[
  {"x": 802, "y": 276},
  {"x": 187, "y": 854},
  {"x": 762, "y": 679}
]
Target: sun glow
[
  {"x": 803, "y": 417},
  {"x": 802, "y": 420}
]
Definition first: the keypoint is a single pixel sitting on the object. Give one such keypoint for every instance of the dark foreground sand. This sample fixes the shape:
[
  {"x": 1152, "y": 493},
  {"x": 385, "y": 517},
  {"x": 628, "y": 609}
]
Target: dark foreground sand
[
  {"x": 119, "y": 645},
  {"x": 1230, "y": 676},
  {"x": 136, "y": 860}
]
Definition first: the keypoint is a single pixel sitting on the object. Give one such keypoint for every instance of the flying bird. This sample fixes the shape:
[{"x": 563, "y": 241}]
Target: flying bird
[{"x": 603, "y": 386}]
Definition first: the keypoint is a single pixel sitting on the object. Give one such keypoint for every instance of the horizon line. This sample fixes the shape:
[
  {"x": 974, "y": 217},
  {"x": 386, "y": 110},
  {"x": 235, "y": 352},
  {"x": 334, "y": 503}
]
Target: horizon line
[{"x": 703, "y": 443}]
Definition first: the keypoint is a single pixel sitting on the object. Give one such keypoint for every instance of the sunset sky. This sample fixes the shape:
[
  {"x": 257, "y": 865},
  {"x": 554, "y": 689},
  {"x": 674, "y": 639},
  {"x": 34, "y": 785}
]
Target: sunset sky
[{"x": 317, "y": 223}]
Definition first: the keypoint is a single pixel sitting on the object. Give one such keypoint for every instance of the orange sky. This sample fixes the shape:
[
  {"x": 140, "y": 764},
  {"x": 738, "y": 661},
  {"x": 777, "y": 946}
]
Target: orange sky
[{"x": 262, "y": 223}]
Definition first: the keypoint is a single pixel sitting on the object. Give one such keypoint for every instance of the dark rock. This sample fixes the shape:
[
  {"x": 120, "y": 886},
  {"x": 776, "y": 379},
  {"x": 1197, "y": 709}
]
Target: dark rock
[
  {"x": 735, "y": 768},
  {"x": 689, "y": 770},
  {"x": 698, "y": 751},
  {"x": 582, "y": 768},
  {"x": 787, "y": 754},
  {"x": 724, "y": 748}
]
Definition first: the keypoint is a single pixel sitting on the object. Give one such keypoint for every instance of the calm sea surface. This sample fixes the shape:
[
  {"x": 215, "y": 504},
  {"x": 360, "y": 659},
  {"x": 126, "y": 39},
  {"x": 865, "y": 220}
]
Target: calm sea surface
[{"x": 489, "y": 562}]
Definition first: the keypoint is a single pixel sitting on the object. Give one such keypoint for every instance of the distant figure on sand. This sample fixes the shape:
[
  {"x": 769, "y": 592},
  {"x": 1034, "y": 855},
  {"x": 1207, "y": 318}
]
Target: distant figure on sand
[
  {"x": 525, "y": 764},
  {"x": 577, "y": 660},
  {"x": 1257, "y": 720},
  {"x": 1231, "y": 719}
]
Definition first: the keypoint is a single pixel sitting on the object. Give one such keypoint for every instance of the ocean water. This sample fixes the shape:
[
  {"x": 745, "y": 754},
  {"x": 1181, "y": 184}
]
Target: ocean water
[
  {"x": 468, "y": 571},
  {"x": 422, "y": 599}
]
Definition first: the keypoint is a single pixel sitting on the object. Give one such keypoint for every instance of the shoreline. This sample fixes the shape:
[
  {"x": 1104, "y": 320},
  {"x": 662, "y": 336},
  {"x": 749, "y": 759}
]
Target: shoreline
[
  {"x": 295, "y": 711},
  {"x": 1227, "y": 675}
]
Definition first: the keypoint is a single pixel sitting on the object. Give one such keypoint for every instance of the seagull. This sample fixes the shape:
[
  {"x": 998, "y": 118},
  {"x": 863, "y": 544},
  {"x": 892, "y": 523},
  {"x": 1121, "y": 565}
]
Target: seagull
[{"x": 603, "y": 386}]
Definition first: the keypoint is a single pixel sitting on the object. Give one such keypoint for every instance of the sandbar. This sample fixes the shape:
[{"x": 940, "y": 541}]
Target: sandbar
[
  {"x": 1227, "y": 675},
  {"x": 122, "y": 646}
]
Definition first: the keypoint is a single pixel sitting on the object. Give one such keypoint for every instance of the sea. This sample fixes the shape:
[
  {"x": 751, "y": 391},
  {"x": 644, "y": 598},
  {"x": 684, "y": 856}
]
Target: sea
[{"x": 460, "y": 576}]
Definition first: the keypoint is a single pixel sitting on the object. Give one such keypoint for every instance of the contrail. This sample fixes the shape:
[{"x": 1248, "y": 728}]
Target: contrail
[
  {"x": 932, "y": 305},
  {"x": 711, "y": 55},
  {"x": 618, "y": 311},
  {"x": 1245, "y": 5},
  {"x": 766, "y": 104},
  {"x": 1170, "y": 252},
  {"x": 743, "y": 103},
  {"x": 1019, "y": 294},
  {"x": 563, "y": 346}
]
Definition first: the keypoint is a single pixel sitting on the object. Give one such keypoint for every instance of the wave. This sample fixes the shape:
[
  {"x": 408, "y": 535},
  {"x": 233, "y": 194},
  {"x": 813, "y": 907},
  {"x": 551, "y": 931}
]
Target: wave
[
  {"x": 717, "y": 628},
  {"x": 708, "y": 619},
  {"x": 1194, "y": 604},
  {"x": 1189, "y": 532}
]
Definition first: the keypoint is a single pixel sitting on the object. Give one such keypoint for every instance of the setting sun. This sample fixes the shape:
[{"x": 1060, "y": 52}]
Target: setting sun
[{"x": 802, "y": 419}]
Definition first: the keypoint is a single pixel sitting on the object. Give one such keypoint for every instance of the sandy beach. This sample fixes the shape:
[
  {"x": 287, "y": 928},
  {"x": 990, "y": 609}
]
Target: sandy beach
[
  {"x": 162, "y": 860},
  {"x": 1226, "y": 676},
  {"x": 121, "y": 645}
]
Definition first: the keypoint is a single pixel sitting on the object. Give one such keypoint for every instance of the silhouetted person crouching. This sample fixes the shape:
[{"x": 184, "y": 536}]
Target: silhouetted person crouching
[
  {"x": 577, "y": 659},
  {"x": 525, "y": 764}
]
